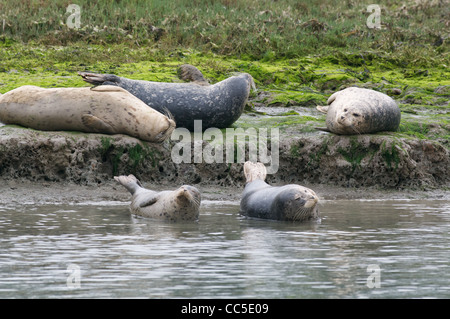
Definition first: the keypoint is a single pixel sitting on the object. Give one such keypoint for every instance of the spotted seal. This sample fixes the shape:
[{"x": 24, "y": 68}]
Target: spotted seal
[
  {"x": 289, "y": 202},
  {"x": 107, "y": 109},
  {"x": 178, "y": 205},
  {"x": 359, "y": 111},
  {"x": 218, "y": 105}
]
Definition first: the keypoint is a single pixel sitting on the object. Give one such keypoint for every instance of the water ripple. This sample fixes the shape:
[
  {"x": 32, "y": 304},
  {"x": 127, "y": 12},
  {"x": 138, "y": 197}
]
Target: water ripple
[{"x": 225, "y": 255}]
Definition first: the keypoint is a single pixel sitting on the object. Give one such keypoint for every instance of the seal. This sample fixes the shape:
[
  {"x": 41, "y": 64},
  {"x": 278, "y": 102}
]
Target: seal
[
  {"x": 359, "y": 111},
  {"x": 107, "y": 109},
  {"x": 181, "y": 204},
  {"x": 218, "y": 105},
  {"x": 289, "y": 202}
]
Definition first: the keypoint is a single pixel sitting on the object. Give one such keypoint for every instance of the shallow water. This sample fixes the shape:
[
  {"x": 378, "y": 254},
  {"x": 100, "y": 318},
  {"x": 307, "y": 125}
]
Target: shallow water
[{"x": 361, "y": 249}]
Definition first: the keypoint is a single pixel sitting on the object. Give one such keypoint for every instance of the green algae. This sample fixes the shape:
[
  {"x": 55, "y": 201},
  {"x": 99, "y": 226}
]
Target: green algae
[
  {"x": 292, "y": 98},
  {"x": 355, "y": 153},
  {"x": 137, "y": 155},
  {"x": 390, "y": 155},
  {"x": 305, "y": 81}
]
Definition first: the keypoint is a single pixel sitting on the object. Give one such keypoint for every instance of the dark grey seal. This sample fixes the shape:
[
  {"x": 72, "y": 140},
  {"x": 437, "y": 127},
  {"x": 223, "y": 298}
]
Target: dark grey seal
[
  {"x": 289, "y": 202},
  {"x": 218, "y": 105},
  {"x": 359, "y": 111}
]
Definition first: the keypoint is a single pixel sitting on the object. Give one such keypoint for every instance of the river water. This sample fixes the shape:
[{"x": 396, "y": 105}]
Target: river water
[{"x": 360, "y": 249}]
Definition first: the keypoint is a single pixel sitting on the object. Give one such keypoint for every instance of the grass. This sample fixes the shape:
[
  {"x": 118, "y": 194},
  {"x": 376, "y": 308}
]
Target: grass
[{"x": 252, "y": 29}]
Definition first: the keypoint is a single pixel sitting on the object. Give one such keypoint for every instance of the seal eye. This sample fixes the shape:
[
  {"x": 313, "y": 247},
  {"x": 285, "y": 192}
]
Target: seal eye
[
  {"x": 345, "y": 110},
  {"x": 355, "y": 114}
]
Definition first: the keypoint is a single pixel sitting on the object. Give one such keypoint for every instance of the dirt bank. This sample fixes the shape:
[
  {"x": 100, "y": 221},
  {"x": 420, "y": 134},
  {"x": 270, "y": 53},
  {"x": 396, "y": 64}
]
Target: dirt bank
[{"x": 73, "y": 166}]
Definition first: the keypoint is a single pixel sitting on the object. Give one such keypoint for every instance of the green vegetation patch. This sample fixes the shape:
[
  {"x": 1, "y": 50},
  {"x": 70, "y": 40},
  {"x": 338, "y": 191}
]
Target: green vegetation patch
[
  {"x": 355, "y": 153},
  {"x": 390, "y": 155},
  {"x": 137, "y": 155}
]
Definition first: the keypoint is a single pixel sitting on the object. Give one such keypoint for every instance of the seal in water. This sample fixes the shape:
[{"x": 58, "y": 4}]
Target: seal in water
[
  {"x": 289, "y": 202},
  {"x": 218, "y": 105},
  {"x": 180, "y": 204},
  {"x": 358, "y": 111},
  {"x": 106, "y": 109}
]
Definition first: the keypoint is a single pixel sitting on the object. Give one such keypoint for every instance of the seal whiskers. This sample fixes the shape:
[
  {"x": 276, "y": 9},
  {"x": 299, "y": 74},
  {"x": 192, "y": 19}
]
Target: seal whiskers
[{"x": 301, "y": 214}]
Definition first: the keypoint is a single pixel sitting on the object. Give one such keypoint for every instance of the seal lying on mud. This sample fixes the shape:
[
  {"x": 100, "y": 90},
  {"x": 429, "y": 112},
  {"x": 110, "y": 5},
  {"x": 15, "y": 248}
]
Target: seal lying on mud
[
  {"x": 106, "y": 109},
  {"x": 358, "y": 111},
  {"x": 289, "y": 202},
  {"x": 180, "y": 204},
  {"x": 218, "y": 105}
]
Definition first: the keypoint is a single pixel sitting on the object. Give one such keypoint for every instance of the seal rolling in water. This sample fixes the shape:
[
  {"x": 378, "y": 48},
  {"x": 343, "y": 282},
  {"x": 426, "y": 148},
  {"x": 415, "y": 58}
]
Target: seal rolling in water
[
  {"x": 178, "y": 205},
  {"x": 289, "y": 202},
  {"x": 106, "y": 109},
  {"x": 360, "y": 111},
  {"x": 218, "y": 105}
]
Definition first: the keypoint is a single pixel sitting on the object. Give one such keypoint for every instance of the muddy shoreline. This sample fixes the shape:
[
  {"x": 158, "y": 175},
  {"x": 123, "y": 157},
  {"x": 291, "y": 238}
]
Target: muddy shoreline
[
  {"x": 17, "y": 193},
  {"x": 70, "y": 167}
]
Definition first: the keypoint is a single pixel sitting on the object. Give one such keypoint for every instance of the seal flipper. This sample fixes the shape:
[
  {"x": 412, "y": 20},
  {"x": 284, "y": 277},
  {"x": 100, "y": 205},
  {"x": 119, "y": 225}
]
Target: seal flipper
[
  {"x": 323, "y": 109},
  {"x": 149, "y": 201},
  {"x": 325, "y": 129},
  {"x": 108, "y": 88},
  {"x": 99, "y": 79},
  {"x": 254, "y": 171},
  {"x": 332, "y": 97},
  {"x": 97, "y": 125},
  {"x": 130, "y": 182},
  {"x": 187, "y": 72}
]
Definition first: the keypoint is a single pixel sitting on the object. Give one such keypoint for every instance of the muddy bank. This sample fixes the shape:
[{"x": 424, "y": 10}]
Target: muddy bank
[
  {"x": 22, "y": 192},
  {"x": 382, "y": 162}
]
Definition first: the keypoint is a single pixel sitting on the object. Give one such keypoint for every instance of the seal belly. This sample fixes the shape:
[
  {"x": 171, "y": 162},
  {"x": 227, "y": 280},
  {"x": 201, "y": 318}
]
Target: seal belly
[
  {"x": 286, "y": 203},
  {"x": 261, "y": 200}
]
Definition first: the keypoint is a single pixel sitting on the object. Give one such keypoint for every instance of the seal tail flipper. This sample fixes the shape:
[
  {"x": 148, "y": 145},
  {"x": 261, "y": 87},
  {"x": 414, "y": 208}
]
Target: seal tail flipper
[
  {"x": 187, "y": 72},
  {"x": 254, "y": 171},
  {"x": 99, "y": 79},
  {"x": 130, "y": 182}
]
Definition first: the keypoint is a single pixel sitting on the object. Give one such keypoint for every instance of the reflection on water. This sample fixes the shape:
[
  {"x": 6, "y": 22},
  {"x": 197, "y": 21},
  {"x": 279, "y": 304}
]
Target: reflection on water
[{"x": 224, "y": 254}]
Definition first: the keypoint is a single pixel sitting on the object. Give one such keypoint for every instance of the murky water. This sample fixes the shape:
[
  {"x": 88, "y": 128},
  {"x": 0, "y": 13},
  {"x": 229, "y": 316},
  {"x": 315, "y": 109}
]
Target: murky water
[{"x": 361, "y": 249}]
